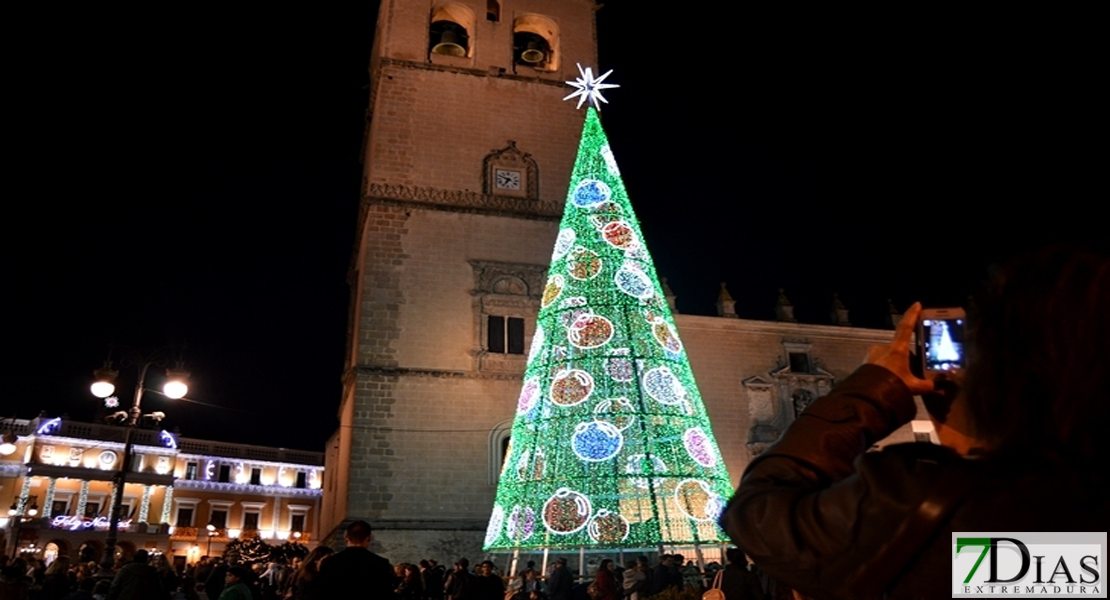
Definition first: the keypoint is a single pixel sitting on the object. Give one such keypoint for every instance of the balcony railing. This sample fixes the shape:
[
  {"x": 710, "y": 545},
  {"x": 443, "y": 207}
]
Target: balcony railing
[{"x": 184, "y": 533}]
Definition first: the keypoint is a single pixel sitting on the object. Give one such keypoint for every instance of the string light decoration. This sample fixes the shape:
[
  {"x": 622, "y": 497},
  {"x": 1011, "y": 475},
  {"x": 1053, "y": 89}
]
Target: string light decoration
[{"x": 611, "y": 445}]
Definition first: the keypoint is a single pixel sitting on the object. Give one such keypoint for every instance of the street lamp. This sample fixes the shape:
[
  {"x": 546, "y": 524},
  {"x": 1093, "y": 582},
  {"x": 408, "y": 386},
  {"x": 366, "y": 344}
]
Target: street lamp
[
  {"x": 7, "y": 443},
  {"x": 104, "y": 381},
  {"x": 104, "y": 386},
  {"x": 211, "y": 534}
]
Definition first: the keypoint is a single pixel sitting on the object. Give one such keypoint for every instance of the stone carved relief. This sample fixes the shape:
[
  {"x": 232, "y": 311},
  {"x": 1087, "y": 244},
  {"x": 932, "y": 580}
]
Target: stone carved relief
[
  {"x": 760, "y": 393},
  {"x": 515, "y": 279},
  {"x": 510, "y": 157},
  {"x": 776, "y": 400},
  {"x": 505, "y": 290},
  {"x": 464, "y": 199}
]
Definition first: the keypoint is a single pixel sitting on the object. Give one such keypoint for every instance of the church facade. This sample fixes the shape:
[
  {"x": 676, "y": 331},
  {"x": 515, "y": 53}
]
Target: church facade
[{"x": 468, "y": 153}]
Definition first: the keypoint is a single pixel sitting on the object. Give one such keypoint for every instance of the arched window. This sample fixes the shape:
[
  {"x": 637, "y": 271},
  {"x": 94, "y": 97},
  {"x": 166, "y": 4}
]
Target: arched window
[
  {"x": 536, "y": 43},
  {"x": 449, "y": 30},
  {"x": 493, "y": 10},
  {"x": 499, "y": 444}
]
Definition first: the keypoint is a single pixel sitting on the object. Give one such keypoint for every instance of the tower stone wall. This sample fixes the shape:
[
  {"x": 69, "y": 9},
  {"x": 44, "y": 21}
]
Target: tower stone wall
[{"x": 441, "y": 249}]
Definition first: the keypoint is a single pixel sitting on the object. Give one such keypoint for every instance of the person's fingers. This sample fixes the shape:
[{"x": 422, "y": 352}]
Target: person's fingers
[
  {"x": 904, "y": 331},
  {"x": 920, "y": 386}
]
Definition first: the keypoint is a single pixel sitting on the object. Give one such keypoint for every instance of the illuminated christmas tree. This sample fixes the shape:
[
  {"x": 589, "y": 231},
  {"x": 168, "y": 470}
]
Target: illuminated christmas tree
[{"x": 611, "y": 445}]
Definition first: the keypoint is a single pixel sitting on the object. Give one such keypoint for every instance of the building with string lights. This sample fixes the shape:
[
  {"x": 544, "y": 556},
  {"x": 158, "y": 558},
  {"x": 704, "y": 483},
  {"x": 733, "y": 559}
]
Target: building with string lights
[{"x": 184, "y": 498}]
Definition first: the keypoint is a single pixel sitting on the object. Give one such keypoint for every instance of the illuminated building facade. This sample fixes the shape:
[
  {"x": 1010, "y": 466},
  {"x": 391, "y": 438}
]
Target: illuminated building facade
[{"x": 57, "y": 489}]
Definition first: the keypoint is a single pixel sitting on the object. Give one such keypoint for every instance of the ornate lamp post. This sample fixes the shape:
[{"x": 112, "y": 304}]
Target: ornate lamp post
[
  {"x": 211, "y": 534},
  {"x": 104, "y": 385}
]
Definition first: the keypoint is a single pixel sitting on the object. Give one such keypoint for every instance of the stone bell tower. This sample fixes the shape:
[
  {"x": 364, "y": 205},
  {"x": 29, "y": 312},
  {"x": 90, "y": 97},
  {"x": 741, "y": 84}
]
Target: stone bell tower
[{"x": 468, "y": 151}]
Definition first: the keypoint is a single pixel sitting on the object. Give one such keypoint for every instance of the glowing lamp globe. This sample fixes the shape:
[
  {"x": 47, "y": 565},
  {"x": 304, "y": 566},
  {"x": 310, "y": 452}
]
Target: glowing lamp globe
[
  {"x": 7, "y": 444},
  {"x": 102, "y": 389},
  {"x": 175, "y": 389}
]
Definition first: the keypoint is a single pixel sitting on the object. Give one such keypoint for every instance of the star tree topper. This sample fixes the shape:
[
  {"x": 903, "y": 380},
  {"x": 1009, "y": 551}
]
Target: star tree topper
[{"x": 589, "y": 88}]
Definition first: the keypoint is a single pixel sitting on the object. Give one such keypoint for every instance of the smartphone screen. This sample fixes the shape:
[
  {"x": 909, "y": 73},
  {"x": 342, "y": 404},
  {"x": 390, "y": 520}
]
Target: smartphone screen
[{"x": 943, "y": 344}]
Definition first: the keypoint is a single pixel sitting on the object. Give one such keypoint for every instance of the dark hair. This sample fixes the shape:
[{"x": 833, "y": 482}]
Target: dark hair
[
  {"x": 307, "y": 571},
  {"x": 240, "y": 572},
  {"x": 141, "y": 557},
  {"x": 1039, "y": 354},
  {"x": 358, "y": 532},
  {"x": 463, "y": 562}
]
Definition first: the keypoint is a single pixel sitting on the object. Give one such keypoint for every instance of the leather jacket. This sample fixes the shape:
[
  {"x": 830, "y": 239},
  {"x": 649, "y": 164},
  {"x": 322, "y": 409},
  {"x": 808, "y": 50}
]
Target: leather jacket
[{"x": 816, "y": 510}]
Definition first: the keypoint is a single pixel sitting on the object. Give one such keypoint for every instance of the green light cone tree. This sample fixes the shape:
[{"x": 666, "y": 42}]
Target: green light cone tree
[{"x": 611, "y": 445}]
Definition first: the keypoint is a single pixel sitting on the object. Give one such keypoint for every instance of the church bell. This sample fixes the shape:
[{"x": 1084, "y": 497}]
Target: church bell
[
  {"x": 531, "y": 49},
  {"x": 534, "y": 52},
  {"x": 447, "y": 40}
]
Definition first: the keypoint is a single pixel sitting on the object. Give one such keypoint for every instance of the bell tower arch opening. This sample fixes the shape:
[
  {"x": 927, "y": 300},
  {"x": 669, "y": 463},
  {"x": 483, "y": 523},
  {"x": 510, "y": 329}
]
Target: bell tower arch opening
[
  {"x": 449, "y": 30},
  {"x": 535, "y": 43}
]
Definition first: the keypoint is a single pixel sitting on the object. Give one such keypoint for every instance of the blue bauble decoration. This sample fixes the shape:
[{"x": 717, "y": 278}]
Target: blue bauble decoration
[
  {"x": 596, "y": 441},
  {"x": 590, "y": 193}
]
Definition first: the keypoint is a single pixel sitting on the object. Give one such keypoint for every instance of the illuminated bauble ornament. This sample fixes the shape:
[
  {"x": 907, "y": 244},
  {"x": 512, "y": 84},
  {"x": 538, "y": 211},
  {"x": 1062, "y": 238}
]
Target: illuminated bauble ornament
[
  {"x": 662, "y": 385},
  {"x": 620, "y": 366},
  {"x": 522, "y": 466},
  {"x": 590, "y": 331},
  {"x": 495, "y": 521},
  {"x": 697, "y": 501},
  {"x": 537, "y": 344},
  {"x": 529, "y": 394},
  {"x": 619, "y": 234},
  {"x": 642, "y": 464},
  {"x": 667, "y": 337},
  {"x": 618, "y": 411},
  {"x": 563, "y": 243},
  {"x": 590, "y": 193},
  {"x": 610, "y": 161},
  {"x": 111, "y": 402},
  {"x": 566, "y": 511},
  {"x": 571, "y": 387},
  {"x": 699, "y": 447},
  {"x": 605, "y": 213},
  {"x": 539, "y": 464},
  {"x": 552, "y": 290},
  {"x": 632, "y": 280},
  {"x": 596, "y": 441},
  {"x": 583, "y": 264},
  {"x": 521, "y": 524},
  {"x": 608, "y": 527}
]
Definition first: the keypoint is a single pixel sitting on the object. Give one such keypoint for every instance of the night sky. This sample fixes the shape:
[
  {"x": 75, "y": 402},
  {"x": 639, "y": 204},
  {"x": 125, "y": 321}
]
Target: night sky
[{"x": 194, "y": 178}]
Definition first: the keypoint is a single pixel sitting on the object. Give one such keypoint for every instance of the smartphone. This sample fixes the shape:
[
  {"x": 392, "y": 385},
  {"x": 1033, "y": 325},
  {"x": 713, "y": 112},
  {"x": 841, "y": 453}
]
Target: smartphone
[{"x": 940, "y": 340}]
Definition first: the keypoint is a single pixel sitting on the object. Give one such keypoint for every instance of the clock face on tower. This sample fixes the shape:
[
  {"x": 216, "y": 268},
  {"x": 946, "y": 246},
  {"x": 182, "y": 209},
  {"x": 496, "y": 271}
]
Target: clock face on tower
[{"x": 504, "y": 179}]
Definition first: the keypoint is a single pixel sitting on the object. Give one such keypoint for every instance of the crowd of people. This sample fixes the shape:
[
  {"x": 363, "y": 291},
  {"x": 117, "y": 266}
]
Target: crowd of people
[{"x": 356, "y": 572}]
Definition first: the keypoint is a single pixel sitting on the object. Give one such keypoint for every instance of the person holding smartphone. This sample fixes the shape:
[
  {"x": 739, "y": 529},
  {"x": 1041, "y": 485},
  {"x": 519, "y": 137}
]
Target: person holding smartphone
[{"x": 1020, "y": 429}]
